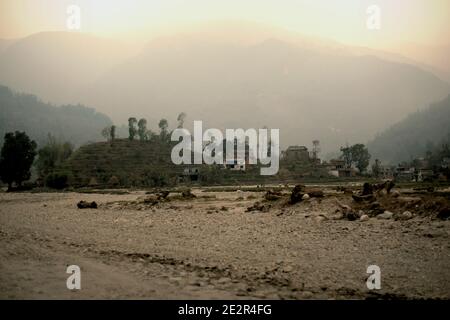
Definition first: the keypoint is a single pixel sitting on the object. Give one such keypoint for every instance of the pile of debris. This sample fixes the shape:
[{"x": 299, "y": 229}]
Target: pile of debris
[
  {"x": 151, "y": 199},
  {"x": 298, "y": 194},
  {"x": 372, "y": 201}
]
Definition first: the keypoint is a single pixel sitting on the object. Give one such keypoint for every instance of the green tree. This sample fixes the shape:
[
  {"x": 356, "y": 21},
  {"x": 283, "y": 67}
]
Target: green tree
[
  {"x": 376, "y": 168},
  {"x": 347, "y": 156},
  {"x": 52, "y": 155},
  {"x": 360, "y": 156},
  {"x": 132, "y": 128},
  {"x": 17, "y": 156},
  {"x": 356, "y": 155},
  {"x": 181, "y": 117},
  {"x": 142, "y": 129},
  {"x": 106, "y": 132},
  {"x": 163, "y": 125},
  {"x": 113, "y": 132}
]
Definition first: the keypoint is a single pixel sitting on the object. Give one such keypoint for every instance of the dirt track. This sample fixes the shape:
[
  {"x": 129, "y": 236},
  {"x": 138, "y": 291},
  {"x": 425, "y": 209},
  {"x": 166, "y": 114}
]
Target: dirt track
[{"x": 211, "y": 248}]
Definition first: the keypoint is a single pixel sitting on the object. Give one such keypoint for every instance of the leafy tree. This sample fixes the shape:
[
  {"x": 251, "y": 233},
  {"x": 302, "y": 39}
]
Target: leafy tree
[
  {"x": 113, "y": 132},
  {"x": 347, "y": 156},
  {"x": 376, "y": 168},
  {"x": 132, "y": 128},
  {"x": 356, "y": 155},
  {"x": 106, "y": 132},
  {"x": 163, "y": 125},
  {"x": 52, "y": 155},
  {"x": 360, "y": 156},
  {"x": 181, "y": 117},
  {"x": 142, "y": 129},
  {"x": 16, "y": 158}
]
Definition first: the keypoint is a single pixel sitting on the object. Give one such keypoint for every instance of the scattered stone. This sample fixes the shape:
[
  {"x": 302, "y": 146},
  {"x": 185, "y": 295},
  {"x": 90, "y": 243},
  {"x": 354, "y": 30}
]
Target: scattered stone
[
  {"x": 410, "y": 200},
  {"x": 258, "y": 206},
  {"x": 337, "y": 215},
  {"x": 444, "y": 214},
  {"x": 288, "y": 268},
  {"x": 305, "y": 196},
  {"x": 364, "y": 217},
  {"x": 151, "y": 199},
  {"x": 351, "y": 216},
  {"x": 224, "y": 280},
  {"x": 367, "y": 189},
  {"x": 297, "y": 194},
  {"x": 272, "y": 195},
  {"x": 187, "y": 194},
  {"x": 395, "y": 194},
  {"x": 320, "y": 218},
  {"x": 386, "y": 215},
  {"x": 358, "y": 198},
  {"x": 163, "y": 195},
  {"x": 404, "y": 216},
  {"x": 87, "y": 205},
  {"x": 315, "y": 193}
]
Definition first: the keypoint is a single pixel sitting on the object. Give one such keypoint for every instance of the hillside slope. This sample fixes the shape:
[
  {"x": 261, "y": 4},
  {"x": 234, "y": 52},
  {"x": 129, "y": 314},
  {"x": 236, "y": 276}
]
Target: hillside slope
[
  {"x": 133, "y": 163},
  {"x": 24, "y": 112},
  {"x": 414, "y": 135}
]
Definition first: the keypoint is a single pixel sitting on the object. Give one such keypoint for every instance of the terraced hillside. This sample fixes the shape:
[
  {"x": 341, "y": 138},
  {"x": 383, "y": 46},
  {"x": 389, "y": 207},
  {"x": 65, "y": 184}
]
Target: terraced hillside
[
  {"x": 132, "y": 163},
  {"x": 128, "y": 163}
]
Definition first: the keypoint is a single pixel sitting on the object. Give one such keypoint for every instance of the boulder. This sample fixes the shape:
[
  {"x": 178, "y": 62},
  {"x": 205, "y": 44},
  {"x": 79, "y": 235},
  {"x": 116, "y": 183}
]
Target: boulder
[
  {"x": 297, "y": 194},
  {"x": 364, "y": 217},
  {"x": 367, "y": 189},
  {"x": 386, "y": 215},
  {"x": 405, "y": 216},
  {"x": 188, "y": 194},
  {"x": 395, "y": 194},
  {"x": 87, "y": 205},
  {"x": 315, "y": 193},
  {"x": 444, "y": 214},
  {"x": 272, "y": 195},
  {"x": 363, "y": 198}
]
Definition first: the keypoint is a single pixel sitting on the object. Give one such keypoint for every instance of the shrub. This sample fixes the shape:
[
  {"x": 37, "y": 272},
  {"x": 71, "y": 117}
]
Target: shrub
[
  {"x": 56, "y": 180},
  {"x": 113, "y": 181}
]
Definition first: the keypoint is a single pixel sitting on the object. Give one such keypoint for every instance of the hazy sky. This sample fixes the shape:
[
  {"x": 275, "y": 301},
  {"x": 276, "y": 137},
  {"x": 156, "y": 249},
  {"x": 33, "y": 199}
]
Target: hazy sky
[{"x": 418, "y": 21}]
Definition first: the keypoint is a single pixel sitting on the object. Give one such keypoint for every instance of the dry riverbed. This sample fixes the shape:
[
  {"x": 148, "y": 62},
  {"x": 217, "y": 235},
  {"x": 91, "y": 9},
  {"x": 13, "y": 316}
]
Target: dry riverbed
[{"x": 211, "y": 246}]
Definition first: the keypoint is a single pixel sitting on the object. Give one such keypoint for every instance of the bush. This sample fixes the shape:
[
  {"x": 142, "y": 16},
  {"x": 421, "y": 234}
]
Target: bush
[
  {"x": 57, "y": 180},
  {"x": 113, "y": 181}
]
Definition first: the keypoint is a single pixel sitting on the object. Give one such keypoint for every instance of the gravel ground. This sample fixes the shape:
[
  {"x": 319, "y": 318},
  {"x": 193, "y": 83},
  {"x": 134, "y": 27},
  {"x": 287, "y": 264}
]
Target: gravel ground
[{"x": 209, "y": 247}]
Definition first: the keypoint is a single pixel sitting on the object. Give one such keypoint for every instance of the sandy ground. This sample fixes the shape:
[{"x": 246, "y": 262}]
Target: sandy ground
[{"x": 211, "y": 248}]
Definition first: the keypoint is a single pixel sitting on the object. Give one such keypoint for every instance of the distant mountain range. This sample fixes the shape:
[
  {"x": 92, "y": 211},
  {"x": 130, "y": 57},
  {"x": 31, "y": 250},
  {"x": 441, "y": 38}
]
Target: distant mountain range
[
  {"x": 308, "y": 88},
  {"x": 24, "y": 112},
  {"x": 412, "y": 137}
]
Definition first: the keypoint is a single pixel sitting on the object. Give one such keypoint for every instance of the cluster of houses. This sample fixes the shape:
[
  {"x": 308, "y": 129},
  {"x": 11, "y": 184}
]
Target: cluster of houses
[{"x": 418, "y": 170}]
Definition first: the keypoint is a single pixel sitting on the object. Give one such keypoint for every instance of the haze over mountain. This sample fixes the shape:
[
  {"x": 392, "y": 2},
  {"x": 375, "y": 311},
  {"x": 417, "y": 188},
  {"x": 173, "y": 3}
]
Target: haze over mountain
[
  {"x": 308, "y": 88},
  {"x": 413, "y": 136},
  {"x": 54, "y": 65}
]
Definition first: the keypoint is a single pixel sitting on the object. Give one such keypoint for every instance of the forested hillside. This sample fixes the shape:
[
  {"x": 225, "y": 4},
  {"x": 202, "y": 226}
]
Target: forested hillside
[
  {"x": 412, "y": 137},
  {"x": 75, "y": 123}
]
